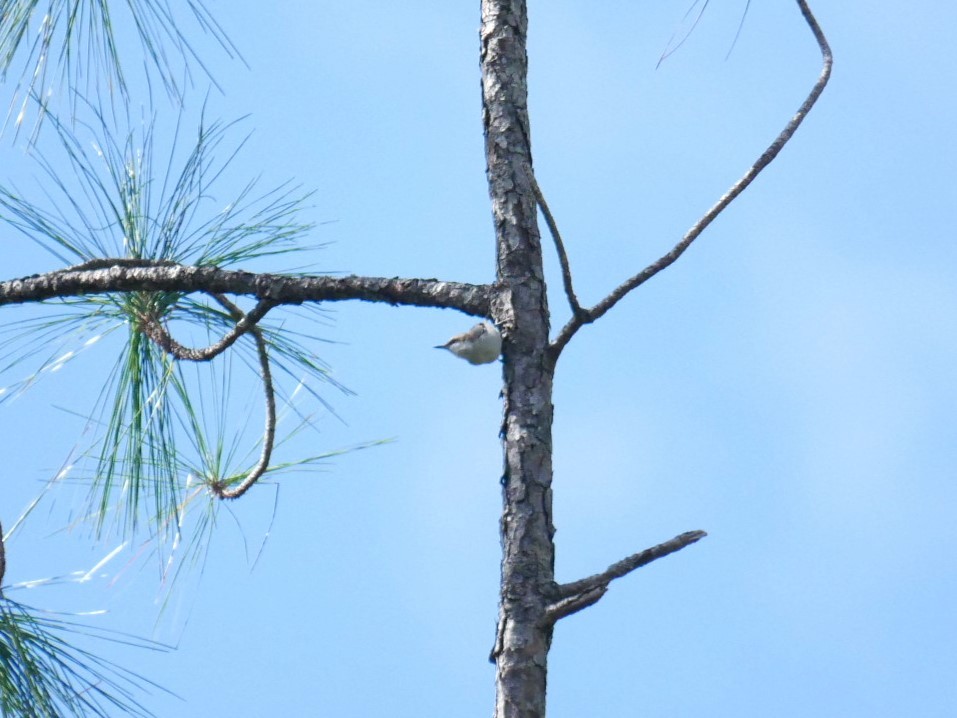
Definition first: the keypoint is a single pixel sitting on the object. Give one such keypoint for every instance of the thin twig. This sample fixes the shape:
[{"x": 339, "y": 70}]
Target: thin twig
[
  {"x": 218, "y": 488},
  {"x": 576, "y": 307},
  {"x": 584, "y": 586},
  {"x": 671, "y": 49},
  {"x": 577, "y": 321}
]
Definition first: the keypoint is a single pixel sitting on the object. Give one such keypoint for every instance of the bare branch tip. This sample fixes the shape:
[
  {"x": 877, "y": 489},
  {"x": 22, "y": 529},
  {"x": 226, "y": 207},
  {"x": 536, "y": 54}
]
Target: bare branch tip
[{"x": 738, "y": 187}]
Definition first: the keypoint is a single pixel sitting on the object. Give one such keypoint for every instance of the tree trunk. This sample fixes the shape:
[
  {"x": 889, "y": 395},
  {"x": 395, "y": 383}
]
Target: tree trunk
[{"x": 521, "y": 310}]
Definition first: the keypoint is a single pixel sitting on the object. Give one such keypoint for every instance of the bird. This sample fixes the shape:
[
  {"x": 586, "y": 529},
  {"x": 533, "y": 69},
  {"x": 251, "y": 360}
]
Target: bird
[{"x": 481, "y": 344}]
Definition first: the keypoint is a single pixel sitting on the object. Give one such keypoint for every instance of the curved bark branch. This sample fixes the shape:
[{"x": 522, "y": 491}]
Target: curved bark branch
[
  {"x": 124, "y": 275},
  {"x": 219, "y": 488},
  {"x": 573, "y": 302},
  {"x": 590, "y": 315},
  {"x": 155, "y": 330}
]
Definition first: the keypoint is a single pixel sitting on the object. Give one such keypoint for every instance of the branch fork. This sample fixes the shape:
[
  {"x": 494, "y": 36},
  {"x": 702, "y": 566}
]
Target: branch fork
[
  {"x": 577, "y": 595},
  {"x": 581, "y": 315}
]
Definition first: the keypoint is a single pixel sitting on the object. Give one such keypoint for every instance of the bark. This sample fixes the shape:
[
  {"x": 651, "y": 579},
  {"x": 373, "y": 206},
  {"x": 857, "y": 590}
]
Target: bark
[
  {"x": 521, "y": 310},
  {"x": 126, "y": 275}
]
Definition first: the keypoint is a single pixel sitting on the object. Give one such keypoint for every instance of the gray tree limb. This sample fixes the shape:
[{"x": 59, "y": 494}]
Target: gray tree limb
[
  {"x": 577, "y": 595},
  {"x": 627, "y": 565},
  {"x": 122, "y": 275},
  {"x": 590, "y": 315}
]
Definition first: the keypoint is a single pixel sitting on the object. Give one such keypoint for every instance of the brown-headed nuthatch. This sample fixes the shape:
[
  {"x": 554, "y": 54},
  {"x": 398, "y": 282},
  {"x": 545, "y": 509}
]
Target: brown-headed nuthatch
[{"x": 479, "y": 345}]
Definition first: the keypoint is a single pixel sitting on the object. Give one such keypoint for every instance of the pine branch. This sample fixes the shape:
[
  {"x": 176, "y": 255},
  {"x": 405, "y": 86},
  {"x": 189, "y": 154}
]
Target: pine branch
[
  {"x": 159, "y": 334},
  {"x": 222, "y": 489},
  {"x": 143, "y": 275}
]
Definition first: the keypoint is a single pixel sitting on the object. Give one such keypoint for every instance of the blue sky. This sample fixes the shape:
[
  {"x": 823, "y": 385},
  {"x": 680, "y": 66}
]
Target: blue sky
[{"x": 788, "y": 386}]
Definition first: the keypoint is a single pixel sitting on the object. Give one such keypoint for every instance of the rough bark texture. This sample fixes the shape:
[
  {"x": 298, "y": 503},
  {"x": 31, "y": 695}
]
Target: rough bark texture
[
  {"x": 125, "y": 275},
  {"x": 521, "y": 310}
]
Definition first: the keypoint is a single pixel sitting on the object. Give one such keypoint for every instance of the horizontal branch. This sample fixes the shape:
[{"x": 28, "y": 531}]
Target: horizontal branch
[
  {"x": 122, "y": 276},
  {"x": 574, "y": 596}
]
